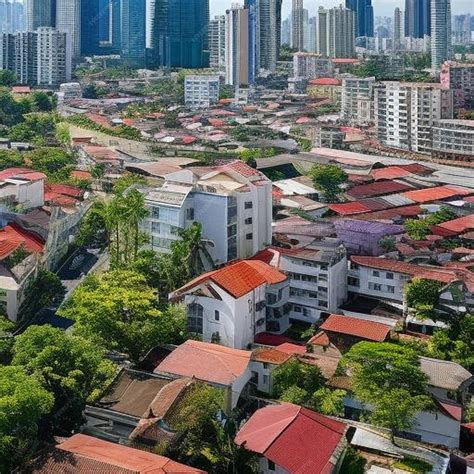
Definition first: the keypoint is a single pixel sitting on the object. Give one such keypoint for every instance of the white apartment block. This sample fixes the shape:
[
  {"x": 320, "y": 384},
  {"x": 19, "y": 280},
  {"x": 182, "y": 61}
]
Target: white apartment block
[
  {"x": 336, "y": 35},
  {"x": 233, "y": 203},
  {"x": 230, "y": 306},
  {"x": 357, "y": 99},
  {"x": 453, "y": 140},
  {"x": 217, "y": 43},
  {"x": 54, "y": 57},
  {"x": 459, "y": 77},
  {"x": 311, "y": 66},
  {"x": 405, "y": 112},
  {"x": 200, "y": 92}
]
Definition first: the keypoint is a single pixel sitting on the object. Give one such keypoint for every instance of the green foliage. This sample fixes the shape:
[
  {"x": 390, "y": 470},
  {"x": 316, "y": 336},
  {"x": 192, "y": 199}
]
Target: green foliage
[
  {"x": 7, "y": 78},
  {"x": 63, "y": 135},
  {"x": 388, "y": 377},
  {"x": 250, "y": 155},
  {"x": 167, "y": 91},
  {"x": 70, "y": 367},
  {"x": 122, "y": 131},
  {"x": 411, "y": 464},
  {"x": 119, "y": 311},
  {"x": 93, "y": 227},
  {"x": 388, "y": 243},
  {"x": 286, "y": 52},
  {"x": 92, "y": 91},
  {"x": 274, "y": 175},
  {"x": 329, "y": 402},
  {"x": 455, "y": 343},
  {"x": 423, "y": 296},
  {"x": 418, "y": 229},
  {"x": 226, "y": 91},
  {"x": 171, "y": 120},
  {"x": 23, "y": 401},
  {"x": 328, "y": 179},
  {"x": 295, "y": 373},
  {"x": 17, "y": 256},
  {"x": 10, "y": 159},
  {"x": 294, "y": 394},
  {"x": 54, "y": 162},
  {"x": 353, "y": 462},
  {"x": 38, "y": 128}
]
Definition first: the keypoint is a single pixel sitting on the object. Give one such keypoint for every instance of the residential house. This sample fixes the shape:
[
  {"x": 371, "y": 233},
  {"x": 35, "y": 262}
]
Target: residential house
[
  {"x": 232, "y": 202},
  {"x": 264, "y": 361},
  {"x": 82, "y": 453},
  {"x": 21, "y": 187},
  {"x": 233, "y": 304},
  {"x": 289, "y": 438},
  {"x": 219, "y": 366}
]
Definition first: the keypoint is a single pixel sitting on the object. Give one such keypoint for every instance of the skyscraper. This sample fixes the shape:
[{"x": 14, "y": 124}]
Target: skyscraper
[
  {"x": 180, "y": 33},
  {"x": 462, "y": 29},
  {"x": 336, "y": 35},
  {"x": 286, "y": 31},
  {"x": 104, "y": 21},
  {"x": 217, "y": 43},
  {"x": 398, "y": 29},
  {"x": 54, "y": 57},
  {"x": 11, "y": 16},
  {"x": 364, "y": 14},
  {"x": 237, "y": 47},
  {"x": 417, "y": 18},
  {"x": 133, "y": 29},
  {"x": 68, "y": 20},
  {"x": 90, "y": 27},
  {"x": 297, "y": 31},
  {"x": 40, "y": 13},
  {"x": 312, "y": 29},
  {"x": 440, "y": 32}
]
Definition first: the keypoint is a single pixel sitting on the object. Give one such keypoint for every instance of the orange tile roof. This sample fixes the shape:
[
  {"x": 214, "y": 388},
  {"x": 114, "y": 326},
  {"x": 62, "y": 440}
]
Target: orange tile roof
[
  {"x": 13, "y": 237},
  {"x": 438, "y": 193},
  {"x": 208, "y": 362},
  {"x": 390, "y": 172},
  {"x": 325, "y": 81},
  {"x": 238, "y": 278},
  {"x": 455, "y": 226},
  {"x": 270, "y": 355},
  {"x": 291, "y": 348},
  {"x": 350, "y": 326}
]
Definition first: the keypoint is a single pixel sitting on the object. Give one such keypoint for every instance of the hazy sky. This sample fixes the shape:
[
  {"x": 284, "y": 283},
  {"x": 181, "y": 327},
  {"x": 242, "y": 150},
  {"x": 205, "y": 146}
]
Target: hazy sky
[{"x": 381, "y": 7}]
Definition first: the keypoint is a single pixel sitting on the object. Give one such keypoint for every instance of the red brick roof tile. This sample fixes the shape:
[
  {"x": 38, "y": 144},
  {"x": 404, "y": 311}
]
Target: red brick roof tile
[
  {"x": 325, "y": 81},
  {"x": 455, "y": 226},
  {"x": 349, "y": 208},
  {"x": 270, "y": 355},
  {"x": 438, "y": 193},
  {"x": 377, "y": 189},
  {"x": 362, "y": 328}
]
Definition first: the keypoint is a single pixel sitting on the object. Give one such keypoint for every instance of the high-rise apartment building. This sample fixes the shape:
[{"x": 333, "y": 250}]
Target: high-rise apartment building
[
  {"x": 217, "y": 43},
  {"x": 357, "y": 99},
  {"x": 417, "y": 18},
  {"x": 68, "y": 20},
  {"x": 459, "y": 78},
  {"x": 311, "y": 66},
  {"x": 90, "y": 27},
  {"x": 133, "y": 29},
  {"x": 286, "y": 31},
  {"x": 312, "y": 33},
  {"x": 11, "y": 16},
  {"x": 180, "y": 33},
  {"x": 440, "y": 32},
  {"x": 237, "y": 47},
  {"x": 462, "y": 29},
  {"x": 364, "y": 13},
  {"x": 40, "y": 13},
  {"x": 297, "y": 22},
  {"x": 54, "y": 57},
  {"x": 336, "y": 35},
  {"x": 398, "y": 29},
  {"x": 201, "y": 91},
  {"x": 405, "y": 113},
  {"x": 19, "y": 54}
]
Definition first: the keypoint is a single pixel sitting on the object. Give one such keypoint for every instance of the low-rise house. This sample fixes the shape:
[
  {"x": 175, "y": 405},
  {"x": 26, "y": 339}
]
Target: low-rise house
[
  {"x": 345, "y": 331},
  {"x": 233, "y": 304},
  {"x": 21, "y": 186},
  {"x": 292, "y": 439},
  {"x": 219, "y": 366},
  {"x": 264, "y": 361},
  {"x": 82, "y": 453}
]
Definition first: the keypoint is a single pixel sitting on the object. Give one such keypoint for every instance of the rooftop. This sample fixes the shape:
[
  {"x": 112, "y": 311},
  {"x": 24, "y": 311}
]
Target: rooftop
[
  {"x": 361, "y": 328},
  {"x": 444, "y": 374},
  {"x": 208, "y": 362},
  {"x": 270, "y": 355},
  {"x": 437, "y": 193},
  {"x": 377, "y": 189},
  {"x": 299, "y": 440}
]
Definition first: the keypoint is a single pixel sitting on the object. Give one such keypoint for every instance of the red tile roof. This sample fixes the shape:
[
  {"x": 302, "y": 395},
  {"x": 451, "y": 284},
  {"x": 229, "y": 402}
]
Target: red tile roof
[
  {"x": 21, "y": 173},
  {"x": 390, "y": 172},
  {"x": 269, "y": 339},
  {"x": 325, "y": 81},
  {"x": 349, "y": 208},
  {"x": 79, "y": 174},
  {"x": 238, "y": 278},
  {"x": 21, "y": 89},
  {"x": 404, "y": 211},
  {"x": 362, "y": 328},
  {"x": 452, "y": 410},
  {"x": 92, "y": 455},
  {"x": 65, "y": 190},
  {"x": 290, "y": 348},
  {"x": 455, "y": 226},
  {"x": 300, "y": 441},
  {"x": 209, "y": 362},
  {"x": 438, "y": 193},
  {"x": 242, "y": 168},
  {"x": 59, "y": 200},
  {"x": 419, "y": 271},
  {"x": 270, "y": 355},
  {"x": 13, "y": 237},
  {"x": 416, "y": 168},
  {"x": 378, "y": 189}
]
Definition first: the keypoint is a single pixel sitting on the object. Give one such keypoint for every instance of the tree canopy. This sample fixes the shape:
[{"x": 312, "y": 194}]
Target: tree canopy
[
  {"x": 423, "y": 295},
  {"x": 328, "y": 179}
]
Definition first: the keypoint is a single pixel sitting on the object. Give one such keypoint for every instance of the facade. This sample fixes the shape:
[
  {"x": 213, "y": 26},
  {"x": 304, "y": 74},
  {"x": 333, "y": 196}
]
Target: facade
[
  {"x": 311, "y": 66},
  {"x": 54, "y": 57},
  {"x": 217, "y": 43},
  {"x": 405, "y": 112},
  {"x": 459, "y": 78},
  {"x": 269, "y": 29},
  {"x": 180, "y": 33},
  {"x": 39, "y": 13},
  {"x": 237, "y": 51},
  {"x": 357, "y": 99},
  {"x": 440, "y": 32},
  {"x": 68, "y": 20},
  {"x": 336, "y": 36},
  {"x": 91, "y": 16},
  {"x": 232, "y": 305},
  {"x": 200, "y": 92},
  {"x": 297, "y": 29},
  {"x": 232, "y": 202},
  {"x": 453, "y": 141},
  {"x": 12, "y": 17},
  {"x": 133, "y": 30},
  {"x": 417, "y": 18},
  {"x": 398, "y": 29},
  {"x": 312, "y": 34},
  {"x": 364, "y": 13},
  {"x": 462, "y": 29}
]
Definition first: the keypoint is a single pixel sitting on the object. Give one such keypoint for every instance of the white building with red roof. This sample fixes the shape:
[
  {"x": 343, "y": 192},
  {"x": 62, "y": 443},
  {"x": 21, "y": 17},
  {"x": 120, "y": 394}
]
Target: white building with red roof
[
  {"x": 292, "y": 439},
  {"x": 233, "y": 203},
  {"x": 22, "y": 186},
  {"x": 235, "y": 303}
]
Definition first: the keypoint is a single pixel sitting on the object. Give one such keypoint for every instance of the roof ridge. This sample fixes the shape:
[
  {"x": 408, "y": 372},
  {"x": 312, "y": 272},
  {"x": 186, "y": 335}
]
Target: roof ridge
[{"x": 321, "y": 422}]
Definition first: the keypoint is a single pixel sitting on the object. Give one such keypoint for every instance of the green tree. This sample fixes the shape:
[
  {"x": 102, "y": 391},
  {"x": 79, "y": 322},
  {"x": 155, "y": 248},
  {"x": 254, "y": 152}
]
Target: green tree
[
  {"x": 294, "y": 394},
  {"x": 295, "y": 373},
  {"x": 63, "y": 134},
  {"x": 23, "y": 402},
  {"x": 10, "y": 159},
  {"x": 418, "y": 229},
  {"x": 328, "y": 179},
  {"x": 7, "y": 78},
  {"x": 49, "y": 160},
  {"x": 72, "y": 368},
  {"x": 329, "y": 402},
  {"x": 423, "y": 295},
  {"x": 42, "y": 101},
  {"x": 226, "y": 92},
  {"x": 383, "y": 373},
  {"x": 119, "y": 311},
  {"x": 388, "y": 243}
]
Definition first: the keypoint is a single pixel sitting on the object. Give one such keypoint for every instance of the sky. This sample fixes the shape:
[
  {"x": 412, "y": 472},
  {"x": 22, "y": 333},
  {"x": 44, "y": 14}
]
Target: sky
[{"x": 381, "y": 7}]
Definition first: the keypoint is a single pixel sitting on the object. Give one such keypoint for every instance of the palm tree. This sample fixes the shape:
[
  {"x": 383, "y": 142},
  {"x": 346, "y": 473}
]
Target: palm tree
[
  {"x": 135, "y": 212},
  {"x": 199, "y": 260}
]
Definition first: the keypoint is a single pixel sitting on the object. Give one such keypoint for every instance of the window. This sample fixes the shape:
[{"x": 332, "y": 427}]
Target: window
[
  {"x": 195, "y": 315},
  {"x": 375, "y": 273},
  {"x": 351, "y": 281},
  {"x": 265, "y": 365},
  {"x": 155, "y": 227},
  {"x": 155, "y": 212},
  {"x": 297, "y": 309},
  {"x": 231, "y": 230},
  {"x": 389, "y": 276},
  {"x": 375, "y": 286},
  {"x": 217, "y": 316},
  {"x": 190, "y": 214},
  {"x": 248, "y": 221},
  {"x": 265, "y": 377},
  {"x": 249, "y": 236},
  {"x": 271, "y": 465},
  {"x": 390, "y": 289},
  {"x": 248, "y": 205}
]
